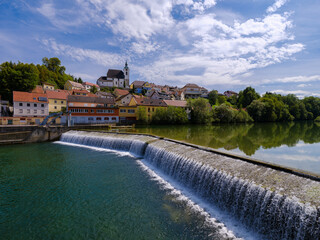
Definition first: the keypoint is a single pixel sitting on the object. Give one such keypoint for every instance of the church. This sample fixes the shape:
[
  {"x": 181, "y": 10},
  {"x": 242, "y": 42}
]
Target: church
[{"x": 115, "y": 78}]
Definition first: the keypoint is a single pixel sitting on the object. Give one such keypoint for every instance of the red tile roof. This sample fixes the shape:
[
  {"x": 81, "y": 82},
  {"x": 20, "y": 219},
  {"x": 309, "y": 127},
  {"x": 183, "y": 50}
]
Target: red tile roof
[
  {"x": 57, "y": 94},
  {"x": 29, "y": 97},
  {"x": 91, "y": 84},
  {"x": 120, "y": 92},
  {"x": 79, "y": 91},
  {"x": 150, "y": 102}
]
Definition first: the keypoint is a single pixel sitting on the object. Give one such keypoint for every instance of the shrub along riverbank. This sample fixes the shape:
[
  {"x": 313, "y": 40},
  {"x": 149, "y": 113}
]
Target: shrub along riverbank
[{"x": 248, "y": 106}]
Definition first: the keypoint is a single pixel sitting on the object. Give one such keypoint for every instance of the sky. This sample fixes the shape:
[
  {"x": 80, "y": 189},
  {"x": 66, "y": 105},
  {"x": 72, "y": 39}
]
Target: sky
[{"x": 271, "y": 45}]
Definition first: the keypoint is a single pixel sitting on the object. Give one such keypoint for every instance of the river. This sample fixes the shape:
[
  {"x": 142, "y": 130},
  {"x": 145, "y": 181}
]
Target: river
[{"x": 291, "y": 144}]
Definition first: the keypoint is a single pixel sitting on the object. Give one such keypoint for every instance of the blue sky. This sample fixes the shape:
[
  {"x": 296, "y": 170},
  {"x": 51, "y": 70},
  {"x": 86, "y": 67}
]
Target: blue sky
[{"x": 271, "y": 45}]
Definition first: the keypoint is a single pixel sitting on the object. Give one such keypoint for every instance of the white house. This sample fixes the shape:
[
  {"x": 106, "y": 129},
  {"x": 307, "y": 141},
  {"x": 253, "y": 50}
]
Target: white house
[
  {"x": 115, "y": 78},
  {"x": 88, "y": 86},
  {"x": 27, "y": 104}
]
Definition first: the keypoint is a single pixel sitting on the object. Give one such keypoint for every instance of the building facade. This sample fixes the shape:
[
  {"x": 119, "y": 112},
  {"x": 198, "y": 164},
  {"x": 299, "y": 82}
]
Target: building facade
[
  {"x": 92, "y": 110},
  {"x": 57, "y": 100},
  {"x": 30, "y": 104}
]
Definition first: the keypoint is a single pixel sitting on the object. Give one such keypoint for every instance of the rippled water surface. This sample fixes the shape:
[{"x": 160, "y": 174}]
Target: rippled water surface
[{"x": 53, "y": 191}]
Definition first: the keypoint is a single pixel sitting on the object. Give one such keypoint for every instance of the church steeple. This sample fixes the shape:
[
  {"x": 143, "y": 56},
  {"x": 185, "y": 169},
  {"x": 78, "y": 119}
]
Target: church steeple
[{"x": 126, "y": 71}]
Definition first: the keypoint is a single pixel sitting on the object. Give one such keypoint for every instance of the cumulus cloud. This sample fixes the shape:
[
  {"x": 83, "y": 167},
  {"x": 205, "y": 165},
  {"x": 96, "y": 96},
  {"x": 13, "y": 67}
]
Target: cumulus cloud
[
  {"x": 227, "y": 52},
  {"x": 298, "y": 93},
  {"x": 294, "y": 79}
]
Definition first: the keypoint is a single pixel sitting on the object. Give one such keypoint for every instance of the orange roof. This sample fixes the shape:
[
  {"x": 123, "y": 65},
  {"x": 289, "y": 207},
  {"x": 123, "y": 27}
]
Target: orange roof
[
  {"x": 121, "y": 92},
  {"x": 57, "y": 94},
  {"x": 176, "y": 103},
  {"x": 38, "y": 89},
  {"x": 80, "y": 91},
  {"x": 29, "y": 97},
  {"x": 91, "y": 84}
]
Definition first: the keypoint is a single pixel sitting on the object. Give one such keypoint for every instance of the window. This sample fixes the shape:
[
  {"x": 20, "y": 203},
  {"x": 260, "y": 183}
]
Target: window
[
  {"x": 152, "y": 109},
  {"x": 20, "y": 104},
  {"x": 61, "y": 102},
  {"x": 28, "y": 104},
  {"x": 35, "y": 105},
  {"x": 70, "y": 104},
  {"x": 55, "y": 107},
  {"x": 92, "y": 111},
  {"x": 42, "y": 105},
  {"x": 86, "y": 105},
  {"x": 28, "y": 110},
  {"x": 114, "y": 118},
  {"x": 35, "y": 111},
  {"x": 131, "y": 111},
  {"x": 92, "y": 105},
  {"x": 123, "y": 110},
  {"x": 55, "y": 101},
  {"x": 148, "y": 109},
  {"x": 42, "y": 111},
  {"x": 20, "y": 111},
  {"x": 106, "y": 118},
  {"x": 98, "y": 118},
  {"x": 90, "y": 118}
]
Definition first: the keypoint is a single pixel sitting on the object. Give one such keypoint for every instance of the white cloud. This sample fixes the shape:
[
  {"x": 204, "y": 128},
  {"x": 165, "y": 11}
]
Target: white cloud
[
  {"x": 298, "y": 93},
  {"x": 278, "y": 4},
  {"x": 80, "y": 54},
  {"x": 294, "y": 79}
]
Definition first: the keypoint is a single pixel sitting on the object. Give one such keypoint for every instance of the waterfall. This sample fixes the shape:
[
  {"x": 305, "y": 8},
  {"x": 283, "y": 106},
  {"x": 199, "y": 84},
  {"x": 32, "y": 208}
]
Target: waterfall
[
  {"x": 134, "y": 146},
  {"x": 243, "y": 190}
]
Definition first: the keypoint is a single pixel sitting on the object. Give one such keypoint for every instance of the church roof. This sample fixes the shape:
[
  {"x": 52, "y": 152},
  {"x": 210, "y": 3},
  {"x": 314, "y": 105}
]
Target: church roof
[{"x": 113, "y": 73}]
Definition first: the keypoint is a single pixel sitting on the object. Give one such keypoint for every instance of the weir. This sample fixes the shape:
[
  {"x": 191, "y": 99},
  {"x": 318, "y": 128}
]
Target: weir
[{"x": 274, "y": 203}]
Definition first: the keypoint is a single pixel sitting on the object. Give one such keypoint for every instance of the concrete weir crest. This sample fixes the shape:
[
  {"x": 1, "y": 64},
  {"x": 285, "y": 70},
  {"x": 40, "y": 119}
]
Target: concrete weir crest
[{"x": 277, "y": 202}]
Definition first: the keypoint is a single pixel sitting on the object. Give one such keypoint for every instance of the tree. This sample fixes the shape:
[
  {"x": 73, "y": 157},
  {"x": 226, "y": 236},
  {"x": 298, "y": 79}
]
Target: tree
[
  {"x": 247, "y": 96},
  {"x": 201, "y": 111},
  {"x": 213, "y": 97},
  {"x": 142, "y": 115},
  {"x": 94, "y": 89},
  {"x": 170, "y": 115}
]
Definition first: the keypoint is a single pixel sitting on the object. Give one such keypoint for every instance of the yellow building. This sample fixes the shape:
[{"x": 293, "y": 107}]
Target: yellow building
[
  {"x": 149, "y": 104},
  {"x": 48, "y": 86},
  {"x": 57, "y": 100},
  {"x": 70, "y": 85},
  {"x": 127, "y": 114}
]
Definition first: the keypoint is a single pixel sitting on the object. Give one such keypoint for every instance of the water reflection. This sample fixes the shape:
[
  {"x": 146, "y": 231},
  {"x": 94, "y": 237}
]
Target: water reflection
[{"x": 246, "y": 137}]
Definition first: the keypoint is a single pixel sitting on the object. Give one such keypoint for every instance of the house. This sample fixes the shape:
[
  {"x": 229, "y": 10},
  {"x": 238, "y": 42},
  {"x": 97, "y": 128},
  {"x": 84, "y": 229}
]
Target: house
[
  {"x": 30, "y": 104},
  {"x": 38, "y": 89},
  {"x": 140, "y": 86},
  {"x": 48, "y": 86},
  {"x": 127, "y": 114},
  {"x": 192, "y": 90},
  {"x": 124, "y": 100},
  {"x": 71, "y": 85},
  {"x": 88, "y": 86},
  {"x": 92, "y": 110},
  {"x": 204, "y": 92},
  {"x": 105, "y": 95},
  {"x": 230, "y": 93},
  {"x": 120, "y": 92},
  {"x": 153, "y": 94},
  {"x": 150, "y": 105},
  {"x": 57, "y": 100},
  {"x": 115, "y": 78},
  {"x": 82, "y": 92}
]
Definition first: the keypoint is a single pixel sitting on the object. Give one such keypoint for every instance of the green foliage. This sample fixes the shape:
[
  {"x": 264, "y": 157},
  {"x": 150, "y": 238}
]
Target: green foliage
[
  {"x": 247, "y": 96},
  {"x": 107, "y": 89},
  {"x": 170, "y": 115},
  {"x": 213, "y": 97},
  {"x": 94, "y": 89},
  {"x": 142, "y": 115},
  {"x": 24, "y": 77},
  {"x": 17, "y": 77},
  {"x": 226, "y": 114},
  {"x": 201, "y": 111},
  {"x": 317, "y": 119}
]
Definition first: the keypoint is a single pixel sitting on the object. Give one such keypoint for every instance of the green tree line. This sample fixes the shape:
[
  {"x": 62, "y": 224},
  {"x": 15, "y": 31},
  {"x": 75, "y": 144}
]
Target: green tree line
[{"x": 24, "y": 76}]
